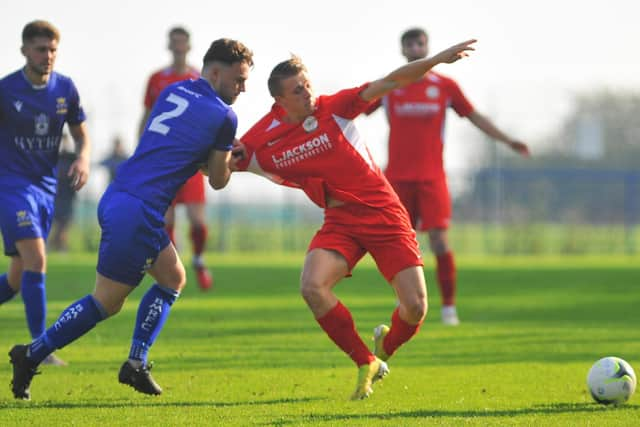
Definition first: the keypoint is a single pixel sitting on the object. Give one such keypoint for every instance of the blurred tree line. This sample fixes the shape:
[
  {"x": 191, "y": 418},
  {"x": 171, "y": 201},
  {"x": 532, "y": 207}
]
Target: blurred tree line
[{"x": 590, "y": 173}]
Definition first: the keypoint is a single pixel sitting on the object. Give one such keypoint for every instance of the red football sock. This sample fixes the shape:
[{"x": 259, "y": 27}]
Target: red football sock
[
  {"x": 400, "y": 333},
  {"x": 446, "y": 271},
  {"x": 338, "y": 324},
  {"x": 170, "y": 232},
  {"x": 198, "y": 238}
]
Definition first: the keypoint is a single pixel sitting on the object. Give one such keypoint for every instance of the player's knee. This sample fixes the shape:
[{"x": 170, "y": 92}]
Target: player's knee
[
  {"x": 34, "y": 262},
  {"x": 438, "y": 244},
  {"x": 177, "y": 280},
  {"x": 114, "y": 308},
  {"x": 111, "y": 304},
  {"x": 14, "y": 277},
  {"x": 311, "y": 288},
  {"x": 416, "y": 310}
]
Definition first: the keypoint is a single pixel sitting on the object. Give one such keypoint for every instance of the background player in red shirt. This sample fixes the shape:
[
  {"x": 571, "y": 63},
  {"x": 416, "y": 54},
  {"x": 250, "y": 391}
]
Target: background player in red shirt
[
  {"x": 416, "y": 115},
  {"x": 192, "y": 194},
  {"x": 312, "y": 143}
]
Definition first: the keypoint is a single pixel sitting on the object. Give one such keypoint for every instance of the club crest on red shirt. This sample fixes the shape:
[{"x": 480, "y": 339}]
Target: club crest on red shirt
[
  {"x": 433, "y": 92},
  {"x": 310, "y": 124}
]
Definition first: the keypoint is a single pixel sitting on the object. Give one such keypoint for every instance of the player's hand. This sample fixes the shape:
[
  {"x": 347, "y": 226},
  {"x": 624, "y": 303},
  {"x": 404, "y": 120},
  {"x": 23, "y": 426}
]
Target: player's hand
[
  {"x": 204, "y": 168},
  {"x": 79, "y": 173},
  {"x": 458, "y": 51},
  {"x": 238, "y": 153},
  {"x": 520, "y": 148}
]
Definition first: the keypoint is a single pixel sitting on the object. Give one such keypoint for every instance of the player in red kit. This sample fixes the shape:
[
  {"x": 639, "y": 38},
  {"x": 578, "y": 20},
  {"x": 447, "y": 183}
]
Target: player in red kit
[
  {"x": 192, "y": 193},
  {"x": 416, "y": 115},
  {"x": 312, "y": 143}
]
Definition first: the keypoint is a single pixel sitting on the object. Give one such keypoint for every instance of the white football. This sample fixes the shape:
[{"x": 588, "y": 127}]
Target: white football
[{"x": 611, "y": 380}]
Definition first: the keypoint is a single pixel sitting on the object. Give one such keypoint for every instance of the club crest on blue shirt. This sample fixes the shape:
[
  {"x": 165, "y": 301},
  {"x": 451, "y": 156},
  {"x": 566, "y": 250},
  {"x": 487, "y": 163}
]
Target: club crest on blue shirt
[
  {"x": 23, "y": 219},
  {"x": 42, "y": 124},
  {"x": 310, "y": 124},
  {"x": 61, "y": 105},
  {"x": 148, "y": 263},
  {"x": 18, "y": 105}
]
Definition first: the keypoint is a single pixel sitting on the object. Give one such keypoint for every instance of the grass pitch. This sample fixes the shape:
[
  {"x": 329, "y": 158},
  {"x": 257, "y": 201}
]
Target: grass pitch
[{"x": 250, "y": 353}]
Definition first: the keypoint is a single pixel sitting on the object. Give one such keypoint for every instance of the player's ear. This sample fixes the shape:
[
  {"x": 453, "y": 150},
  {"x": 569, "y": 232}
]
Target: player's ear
[
  {"x": 209, "y": 73},
  {"x": 216, "y": 68}
]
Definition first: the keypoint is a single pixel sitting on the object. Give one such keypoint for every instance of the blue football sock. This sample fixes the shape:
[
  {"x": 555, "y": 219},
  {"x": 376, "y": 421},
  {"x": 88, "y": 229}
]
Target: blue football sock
[
  {"x": 6, "y": 291},
  {"x": 34, "y": 296},
  {"x": 152, "y": 314},
  {"x": 75, "y": 321}
]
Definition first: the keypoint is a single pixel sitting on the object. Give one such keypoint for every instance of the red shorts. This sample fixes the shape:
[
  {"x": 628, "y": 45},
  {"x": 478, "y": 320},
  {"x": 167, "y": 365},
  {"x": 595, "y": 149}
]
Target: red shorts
[
  {"x": 354, "y": 230},
  {"x": 428, "y": 203},
  {"x": 192, "y": 191}
]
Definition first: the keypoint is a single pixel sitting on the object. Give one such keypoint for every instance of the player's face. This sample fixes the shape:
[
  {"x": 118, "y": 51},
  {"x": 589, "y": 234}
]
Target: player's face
[
  {"x": 297, "y": 97},
  {"x": 40, "y": 53},
  {"x": 416, "y": 48},
  {"x": 229, "y": 80},
  {"x": 179, "y": 44}
]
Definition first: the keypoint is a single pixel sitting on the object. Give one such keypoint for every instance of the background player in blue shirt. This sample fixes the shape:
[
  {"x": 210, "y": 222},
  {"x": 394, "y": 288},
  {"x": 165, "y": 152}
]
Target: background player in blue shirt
[
  {"x": 191, "y": 125},
  {"x": 35, "y": 102}
]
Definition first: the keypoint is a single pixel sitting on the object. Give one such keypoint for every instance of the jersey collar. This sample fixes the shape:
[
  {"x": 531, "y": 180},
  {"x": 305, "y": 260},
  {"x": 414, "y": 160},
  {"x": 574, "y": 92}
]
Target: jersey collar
[{"x": 36, "y": 87}]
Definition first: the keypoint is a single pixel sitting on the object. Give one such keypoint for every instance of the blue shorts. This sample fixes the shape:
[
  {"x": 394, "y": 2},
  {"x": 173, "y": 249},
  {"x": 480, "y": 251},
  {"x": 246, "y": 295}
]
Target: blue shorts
[
  {"x": 25, "y": 213},
  {"x": 132, "y": 237}
]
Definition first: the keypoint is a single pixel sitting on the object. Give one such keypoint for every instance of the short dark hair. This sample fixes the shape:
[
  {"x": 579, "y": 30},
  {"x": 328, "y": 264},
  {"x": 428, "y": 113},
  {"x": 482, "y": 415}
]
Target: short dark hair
[
  {"x": 413, "y": 33},
  {"x": 228, "y": 51},
  {"x": 39, "y": 28},
  {"x": 289, "y": 68},
  {"x": 179, "y": 31}
]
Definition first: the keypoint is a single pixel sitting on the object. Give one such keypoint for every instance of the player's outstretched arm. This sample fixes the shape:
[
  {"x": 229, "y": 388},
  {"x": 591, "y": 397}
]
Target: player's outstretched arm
[
  {"x": 484, "y": 124},
  {"x": 414, "y": 70},
  {"x": 79, "y": 169}
]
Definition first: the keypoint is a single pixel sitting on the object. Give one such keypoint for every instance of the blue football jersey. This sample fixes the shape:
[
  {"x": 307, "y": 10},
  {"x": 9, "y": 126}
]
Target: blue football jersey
[
  {"x": 187, "y": 121},
  {"x": 31, "y": 121}
]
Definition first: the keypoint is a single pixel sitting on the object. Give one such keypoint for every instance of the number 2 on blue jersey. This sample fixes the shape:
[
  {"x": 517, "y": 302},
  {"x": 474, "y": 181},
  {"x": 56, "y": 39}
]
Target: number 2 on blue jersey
[{"x": 157, "y": 124}]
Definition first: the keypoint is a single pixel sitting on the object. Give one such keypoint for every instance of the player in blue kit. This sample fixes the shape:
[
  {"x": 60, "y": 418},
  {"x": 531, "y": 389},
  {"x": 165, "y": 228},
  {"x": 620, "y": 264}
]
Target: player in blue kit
[
  {"x": 191, "y": 125},
  {"x": 35, "y": 103}
]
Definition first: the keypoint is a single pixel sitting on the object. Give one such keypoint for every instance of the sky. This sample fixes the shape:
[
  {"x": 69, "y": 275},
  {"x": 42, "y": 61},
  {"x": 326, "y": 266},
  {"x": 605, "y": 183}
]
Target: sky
[{"x": 531, "y": 58}]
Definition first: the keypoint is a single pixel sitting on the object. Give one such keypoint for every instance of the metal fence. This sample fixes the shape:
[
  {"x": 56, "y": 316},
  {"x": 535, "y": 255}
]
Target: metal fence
[{"x": 500, "y": 211}]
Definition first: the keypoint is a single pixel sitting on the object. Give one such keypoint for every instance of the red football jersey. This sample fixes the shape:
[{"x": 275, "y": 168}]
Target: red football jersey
[
  {"x": 324, "y": 155},
  {"x": 163, "y": 78},
  {"x": 416, "y": 116}
]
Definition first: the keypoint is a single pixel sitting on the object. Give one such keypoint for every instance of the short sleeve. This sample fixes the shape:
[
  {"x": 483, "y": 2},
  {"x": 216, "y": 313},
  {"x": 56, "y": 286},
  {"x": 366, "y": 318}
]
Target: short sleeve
[
  {"x": 347, "y": 103},
  {"x": 459, "y": 102},
  {"x": 226, "y": 132},
  {"x": 373, "y": 106},
  {"x": 75, "y": 115}
]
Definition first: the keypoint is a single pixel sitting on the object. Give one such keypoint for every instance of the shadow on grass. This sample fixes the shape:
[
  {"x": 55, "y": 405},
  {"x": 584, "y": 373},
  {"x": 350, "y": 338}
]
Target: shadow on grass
[
  {"x": 151, "y": 403},
  {"x": 546, "y": 409}
]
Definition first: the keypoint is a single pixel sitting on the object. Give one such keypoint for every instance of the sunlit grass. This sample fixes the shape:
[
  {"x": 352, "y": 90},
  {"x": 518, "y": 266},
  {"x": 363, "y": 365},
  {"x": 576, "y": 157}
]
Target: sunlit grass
[{"x": 250, "y": 353}]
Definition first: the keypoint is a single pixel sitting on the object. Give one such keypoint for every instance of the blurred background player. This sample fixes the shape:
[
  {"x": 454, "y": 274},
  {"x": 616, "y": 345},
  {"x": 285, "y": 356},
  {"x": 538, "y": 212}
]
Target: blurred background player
[
  {"x": 416, "y": 115},
  {"x": 117, "y": 156},
  {"x": 312, "y": 143},
  {"x": 65, "y": 197},
  {"x": 192, "y": 194},
  {"x": 35, "y": 103},
  {"x": 199, "y": 131}
]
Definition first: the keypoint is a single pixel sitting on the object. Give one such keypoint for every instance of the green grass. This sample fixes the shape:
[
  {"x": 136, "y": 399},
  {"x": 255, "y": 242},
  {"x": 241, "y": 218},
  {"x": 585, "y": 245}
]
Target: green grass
[{"x": 250, "y": 353}]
